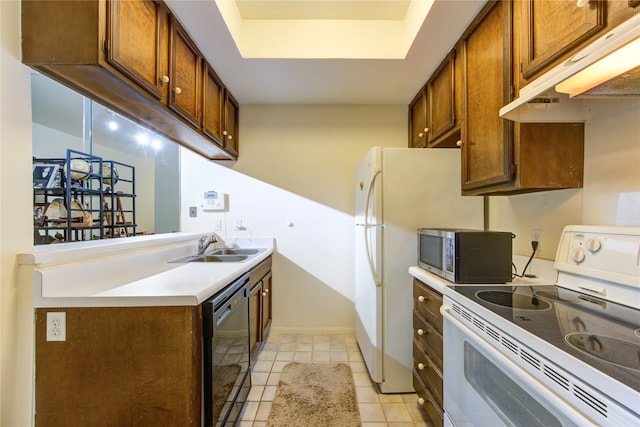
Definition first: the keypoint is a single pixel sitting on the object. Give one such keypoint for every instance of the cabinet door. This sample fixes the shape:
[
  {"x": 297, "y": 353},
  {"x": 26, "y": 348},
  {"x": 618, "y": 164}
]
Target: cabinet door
[
  {"x": 185, "y": 94},
  {"x": 212, "y": 105},
  {"x": 418, "y": 120},
  {"x": 255, "y": 321},
  {"x": 441, "y": 115},
  {"x": 266, "y": 305},
  {"x": 555, "y": 27},
  {"x": 487, "y": 149},
  {"x": 230, "y": 132},
  {"x": 137, "y": 34}
]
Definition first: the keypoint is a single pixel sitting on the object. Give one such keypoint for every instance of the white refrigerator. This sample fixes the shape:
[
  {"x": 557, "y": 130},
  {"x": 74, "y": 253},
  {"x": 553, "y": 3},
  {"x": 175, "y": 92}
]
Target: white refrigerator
[{"x": 399, "y": 190}]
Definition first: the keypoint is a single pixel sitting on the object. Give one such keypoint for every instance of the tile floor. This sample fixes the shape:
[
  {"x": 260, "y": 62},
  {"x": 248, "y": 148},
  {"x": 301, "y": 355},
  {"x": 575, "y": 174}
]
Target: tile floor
[{"x": 376, "y": 409}]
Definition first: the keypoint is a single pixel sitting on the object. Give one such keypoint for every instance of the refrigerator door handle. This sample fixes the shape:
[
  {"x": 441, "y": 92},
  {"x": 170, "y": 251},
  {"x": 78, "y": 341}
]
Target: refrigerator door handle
[{"x": 372, "y": 266}]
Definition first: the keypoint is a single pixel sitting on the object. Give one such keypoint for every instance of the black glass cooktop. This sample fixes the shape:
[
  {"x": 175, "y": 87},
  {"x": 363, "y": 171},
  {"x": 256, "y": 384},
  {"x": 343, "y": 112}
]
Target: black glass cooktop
[{"x": 602, "y": 334}]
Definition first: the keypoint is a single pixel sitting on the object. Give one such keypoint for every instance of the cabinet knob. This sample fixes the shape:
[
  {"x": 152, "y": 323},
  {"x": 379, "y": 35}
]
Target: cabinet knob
[
  {"x": 582, "y": 3},
  {"x": 164, "y": 79},
  {"x": 264, "y": 294},
  {"x": 229, "y": 136},
  {"x": 420, "y": 401},
  {"x": 177, "y": 90},
  {"x": 420, "y": 135},
  {"x": 421, "y": 366},
  {"x": 459, "y": 143},
  {"x": 266, "y": 290},
  {"x": 421, "y": 331},
  {"x": 421, "y": 298},
  {"x": 426, "y": 130},
  {"x": 224, "y": 132}
]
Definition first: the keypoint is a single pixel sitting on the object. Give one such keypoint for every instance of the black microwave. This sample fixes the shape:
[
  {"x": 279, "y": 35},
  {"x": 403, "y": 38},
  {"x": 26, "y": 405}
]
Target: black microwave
[{"x": 466, "y": 256}]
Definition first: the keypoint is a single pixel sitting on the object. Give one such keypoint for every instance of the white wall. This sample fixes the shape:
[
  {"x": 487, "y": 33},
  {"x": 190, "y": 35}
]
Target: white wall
[
  {"x": 297, "y": 166},
  {"x": 16, "y": 227},
  {"x": 611, "y": 192}
]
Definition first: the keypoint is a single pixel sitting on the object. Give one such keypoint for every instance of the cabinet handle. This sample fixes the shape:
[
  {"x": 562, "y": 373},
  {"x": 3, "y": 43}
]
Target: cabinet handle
[
  {"x": 421, "y": 298},
  {"x": 420, "y": 401},
  {"x": 459, "y": 143},
  {"x": 177, "y": 90},
  {"x": 421, "y": 366},
  {"x": 582, "y": 3},
  {"x": 164, "y": 79},
  {"x": 264, "y": 294},
  {"x": 421, "y": 331}
]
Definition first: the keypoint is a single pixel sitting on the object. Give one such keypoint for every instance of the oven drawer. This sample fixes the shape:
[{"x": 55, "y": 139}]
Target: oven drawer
[
  {"x": 428, "y": 372},
  {"x": 427, "y": 302},
  {"x": 428, "y": 338},
  {"x": 428, "y": 403}
]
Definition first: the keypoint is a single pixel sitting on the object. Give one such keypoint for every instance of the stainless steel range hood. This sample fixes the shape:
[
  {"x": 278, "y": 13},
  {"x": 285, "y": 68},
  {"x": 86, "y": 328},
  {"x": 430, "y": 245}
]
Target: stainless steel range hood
[{"x": 582, "y": 78}]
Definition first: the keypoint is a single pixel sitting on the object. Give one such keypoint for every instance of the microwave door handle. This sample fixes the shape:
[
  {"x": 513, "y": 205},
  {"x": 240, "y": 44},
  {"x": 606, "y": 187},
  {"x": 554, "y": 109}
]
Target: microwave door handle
[
  {"x": 516, "y": 372},
  {"x": 373, "y": 227}
]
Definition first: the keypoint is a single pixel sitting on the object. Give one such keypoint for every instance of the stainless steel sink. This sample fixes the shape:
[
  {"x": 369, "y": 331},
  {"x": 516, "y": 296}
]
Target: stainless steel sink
[
  {"x": 237, "y": 251},
  {"x": 222, "y": 255}
]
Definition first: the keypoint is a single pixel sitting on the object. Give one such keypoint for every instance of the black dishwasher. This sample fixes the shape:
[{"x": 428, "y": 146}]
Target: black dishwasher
[{"x": 226, "y": 353}]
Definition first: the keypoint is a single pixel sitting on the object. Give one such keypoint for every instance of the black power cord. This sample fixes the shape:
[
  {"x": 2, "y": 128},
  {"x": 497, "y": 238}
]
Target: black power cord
[{"x": 534, "y": 246}]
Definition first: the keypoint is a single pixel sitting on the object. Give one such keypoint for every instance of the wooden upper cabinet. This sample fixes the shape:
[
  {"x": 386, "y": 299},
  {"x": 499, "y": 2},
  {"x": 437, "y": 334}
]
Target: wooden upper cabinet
[
  {"x": 436, "y": 112},
  {"x": 137, "y": 33},
  {"x": 498, "y": 155},
  {"x": 231, "y": 123},
  {"x": 487, "y": 148},
  {"x": 185, "y": 76},
  {"x": 441, "y": 105},
  {"x": 555, "y": 27},
  {"x": 212, "y": 105},
  {"x": 132, "y": 57},
  {"x": 418, "y": 120}
]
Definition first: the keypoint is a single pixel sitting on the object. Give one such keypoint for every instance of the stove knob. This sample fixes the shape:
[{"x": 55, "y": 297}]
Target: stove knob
[
  {"x": 578, "y": 255},
  {"x": 594, "y": 245}
]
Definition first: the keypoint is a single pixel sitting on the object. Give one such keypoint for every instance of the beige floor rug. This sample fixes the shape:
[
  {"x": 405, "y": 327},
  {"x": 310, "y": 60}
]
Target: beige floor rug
[{"x": 315, "y": 394}]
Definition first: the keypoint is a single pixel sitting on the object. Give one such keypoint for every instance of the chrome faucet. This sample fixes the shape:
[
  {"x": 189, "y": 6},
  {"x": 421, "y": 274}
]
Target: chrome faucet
[{"x": 204, "y": 243}]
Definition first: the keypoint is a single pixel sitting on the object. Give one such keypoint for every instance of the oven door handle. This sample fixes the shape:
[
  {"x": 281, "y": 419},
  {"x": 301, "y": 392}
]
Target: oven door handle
[{"x": 566, "y": 410}]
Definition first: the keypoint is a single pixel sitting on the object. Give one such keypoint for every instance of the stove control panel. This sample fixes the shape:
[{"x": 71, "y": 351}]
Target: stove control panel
[{"x": 601, "y": 261}]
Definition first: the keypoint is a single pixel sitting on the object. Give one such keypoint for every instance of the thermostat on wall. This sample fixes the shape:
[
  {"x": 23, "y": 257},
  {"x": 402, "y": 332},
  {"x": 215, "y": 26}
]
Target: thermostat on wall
[{"x": 212, "y": 201}]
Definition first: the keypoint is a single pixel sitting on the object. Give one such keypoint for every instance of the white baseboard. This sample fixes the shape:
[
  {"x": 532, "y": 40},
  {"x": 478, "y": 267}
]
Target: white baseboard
[{"x": 284, "y": 330}]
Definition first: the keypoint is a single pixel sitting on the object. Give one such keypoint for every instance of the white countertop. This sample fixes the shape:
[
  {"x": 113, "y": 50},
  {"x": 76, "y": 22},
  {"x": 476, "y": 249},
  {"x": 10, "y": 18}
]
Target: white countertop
[
  {"x": 135, "y": 273},
  {"x": 543, "y": 269}
]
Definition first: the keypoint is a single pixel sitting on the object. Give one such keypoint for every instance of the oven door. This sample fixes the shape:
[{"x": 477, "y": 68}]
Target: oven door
[{"x": 482, "y": 387}]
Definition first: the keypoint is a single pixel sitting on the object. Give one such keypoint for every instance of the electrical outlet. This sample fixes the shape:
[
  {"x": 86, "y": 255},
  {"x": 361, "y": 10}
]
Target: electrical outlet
[
  {"x": 536, "y": 236},
  {"x": 193, "y": 211},
  {"x": 56, "y": 326},
  {"x": 217, "y": 225}
]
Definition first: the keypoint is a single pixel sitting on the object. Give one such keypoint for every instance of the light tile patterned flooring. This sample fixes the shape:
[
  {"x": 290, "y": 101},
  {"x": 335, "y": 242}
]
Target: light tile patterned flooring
[{"x": 376, "y": 409}]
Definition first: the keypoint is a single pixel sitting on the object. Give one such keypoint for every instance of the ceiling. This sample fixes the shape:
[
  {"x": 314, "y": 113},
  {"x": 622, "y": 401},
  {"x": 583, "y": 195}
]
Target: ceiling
[{"x": 265, "y": 75}]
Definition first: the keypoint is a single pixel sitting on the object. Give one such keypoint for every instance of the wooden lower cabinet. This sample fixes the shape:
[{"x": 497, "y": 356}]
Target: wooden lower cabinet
[
  {"x": 428, "y": 351},
  {"x": 120, "y": 366},
  {"x": 260, "y": 312}
]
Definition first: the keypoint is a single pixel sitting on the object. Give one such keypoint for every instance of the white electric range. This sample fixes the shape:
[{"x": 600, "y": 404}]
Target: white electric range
[{"x": 564, "y": 353}]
